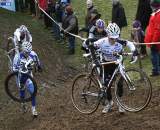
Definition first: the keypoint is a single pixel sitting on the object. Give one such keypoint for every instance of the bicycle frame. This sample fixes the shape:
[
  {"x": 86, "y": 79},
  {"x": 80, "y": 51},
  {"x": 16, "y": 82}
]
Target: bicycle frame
[{"x": 119, "y": 69}]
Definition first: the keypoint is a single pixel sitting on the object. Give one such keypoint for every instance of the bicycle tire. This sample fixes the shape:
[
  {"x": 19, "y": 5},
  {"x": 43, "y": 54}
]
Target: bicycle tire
[
  {"x": 137, "y": 94},
  {"x": 10, "y": 44},
  {"x": 14, "y": 94},
  {"x": 81, "y": 101}
]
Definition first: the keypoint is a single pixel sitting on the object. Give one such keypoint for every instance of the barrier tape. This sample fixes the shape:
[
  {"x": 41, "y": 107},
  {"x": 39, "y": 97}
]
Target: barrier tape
[{"x": 81, "y": 38}]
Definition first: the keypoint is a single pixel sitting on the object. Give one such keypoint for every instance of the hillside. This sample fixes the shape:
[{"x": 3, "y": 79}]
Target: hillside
[{"x": 55, "y": 108}]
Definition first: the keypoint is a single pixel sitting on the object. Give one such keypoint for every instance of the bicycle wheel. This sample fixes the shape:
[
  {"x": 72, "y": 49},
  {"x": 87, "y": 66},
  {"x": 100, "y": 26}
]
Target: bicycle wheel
[
  {"x": 10, "y": 44},
  {"x": 133, "y": 93},
  {"x": 85, "y": 93},
  {"x": 13, "y": 87}
]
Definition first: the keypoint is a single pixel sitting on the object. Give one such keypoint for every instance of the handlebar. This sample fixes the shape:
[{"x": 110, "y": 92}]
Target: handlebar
[{"x": 119, "y": 60}]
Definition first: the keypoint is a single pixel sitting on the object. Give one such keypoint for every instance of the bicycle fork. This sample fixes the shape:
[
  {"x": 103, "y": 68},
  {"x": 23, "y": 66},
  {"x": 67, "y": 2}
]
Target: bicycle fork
[{"x": 127, "y": 78}]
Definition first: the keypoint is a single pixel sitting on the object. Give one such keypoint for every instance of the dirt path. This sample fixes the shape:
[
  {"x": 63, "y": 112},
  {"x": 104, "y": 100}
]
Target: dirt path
[
  {"x": 56, "y": 112},
  {"x": 55, "y": 108}
]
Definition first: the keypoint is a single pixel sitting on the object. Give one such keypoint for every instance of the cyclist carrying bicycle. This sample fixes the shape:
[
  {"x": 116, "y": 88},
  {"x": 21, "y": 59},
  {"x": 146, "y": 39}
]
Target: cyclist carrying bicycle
[
  {"x": 21, "y": 35},
  {"x": 24, "y": 56},
  {"x": 108, "y": 46}
]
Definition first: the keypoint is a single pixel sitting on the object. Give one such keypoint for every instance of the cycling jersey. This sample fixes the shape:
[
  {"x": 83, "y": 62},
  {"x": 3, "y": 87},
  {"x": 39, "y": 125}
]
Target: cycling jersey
[
  {"x": 17, "y": 38},
  {"x": 21, "y": 58},
  {"x": 107, "y": 48},
  {"x": 93, "y": 33}
]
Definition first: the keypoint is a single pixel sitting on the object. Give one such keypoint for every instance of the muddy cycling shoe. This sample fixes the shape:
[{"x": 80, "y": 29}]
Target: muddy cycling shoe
[
  {"x": 108, "y": 107},
  {"x": 34, "y": 112}
]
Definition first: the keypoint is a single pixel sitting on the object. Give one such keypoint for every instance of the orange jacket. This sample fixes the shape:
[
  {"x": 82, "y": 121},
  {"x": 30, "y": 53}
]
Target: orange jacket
[{"x": 153, "y": 29}]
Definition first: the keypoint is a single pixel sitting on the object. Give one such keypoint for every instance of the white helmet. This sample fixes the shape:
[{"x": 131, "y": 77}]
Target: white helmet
[
  {"x": 26, "y": 46},
  {"x": 23, "y": 28},
  {"x": 113, "y": 30},
  {"x": 89, "y": 3}
]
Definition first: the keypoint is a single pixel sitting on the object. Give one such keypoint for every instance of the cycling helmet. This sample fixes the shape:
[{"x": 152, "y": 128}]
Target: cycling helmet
[
  {"x": 113, "y": 30},
  {"x": 100, "y": 24},
  {"x": 23, "y": 28},
  {"x": 26, "y": 46},
  {"x": 89, "y": 3}
]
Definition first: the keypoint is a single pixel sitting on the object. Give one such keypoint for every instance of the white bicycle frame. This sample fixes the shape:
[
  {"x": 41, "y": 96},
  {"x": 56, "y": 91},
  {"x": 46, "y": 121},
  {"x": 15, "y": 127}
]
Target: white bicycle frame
[{"x": 120, "y": 69}]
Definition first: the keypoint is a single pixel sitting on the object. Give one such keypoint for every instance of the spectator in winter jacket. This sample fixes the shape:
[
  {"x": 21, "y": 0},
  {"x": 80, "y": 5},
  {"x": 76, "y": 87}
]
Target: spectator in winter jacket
[
  {"x": 70, "y": 24},
  {"x": 153, "y": 35},
  {"x": 32, "y": 7},
  {"x": 91, "y": 17},
  {"x": 118, "y": 14},
  {"x": 45, "y": 5},
  {"x": 59, "y": 13},
  {"x": 143, "y": 13},
  {"x": 20, "y": 5},
  {"x": 137, "y": 35}
]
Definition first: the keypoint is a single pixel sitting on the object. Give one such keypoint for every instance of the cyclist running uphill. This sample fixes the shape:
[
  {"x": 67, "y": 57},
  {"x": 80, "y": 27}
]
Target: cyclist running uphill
[
  {"x": 108, "y": 46},
  {"x": 21, "y": 35},
  {"x": 26, "y": 55},
  {"x": 98, "y": 30}
]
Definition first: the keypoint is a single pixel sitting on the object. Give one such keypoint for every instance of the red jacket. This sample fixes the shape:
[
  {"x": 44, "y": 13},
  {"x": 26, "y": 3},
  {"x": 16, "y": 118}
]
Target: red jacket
[
  {"x": 153, "y": 29},
  {"x": 43, "y": 4}
]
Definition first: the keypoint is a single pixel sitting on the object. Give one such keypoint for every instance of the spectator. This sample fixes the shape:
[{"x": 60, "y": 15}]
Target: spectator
[
  {"x": 118, "y": 14},
  {"x": 137, "y": 35},
  {"x": 32, "y": 7},
  {"x": 143, "y": 13},
  {"x": 43, "y": 5},
  {"x": 91, "y": 17},
  {"x": 26, "y": 4},
  {"x": 19, "y": 4},
  {"x": 46, "y": 6},
  {"x": 59, "y": 12},
  {"x": 153, "y": 35},
  {"x": 70, "y": 24}
]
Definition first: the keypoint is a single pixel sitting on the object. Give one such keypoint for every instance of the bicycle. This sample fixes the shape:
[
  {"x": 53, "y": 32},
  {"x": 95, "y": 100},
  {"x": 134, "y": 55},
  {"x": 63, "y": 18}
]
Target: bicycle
[
  {"x": 17, "y": 81},
  {"x": 88, "y": 89}
]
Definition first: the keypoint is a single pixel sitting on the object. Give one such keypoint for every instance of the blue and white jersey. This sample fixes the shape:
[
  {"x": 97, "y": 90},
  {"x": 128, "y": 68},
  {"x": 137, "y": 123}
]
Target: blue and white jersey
[
  {"x": 107, "y": 48},
  {"x": 19, "y": 58}
]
